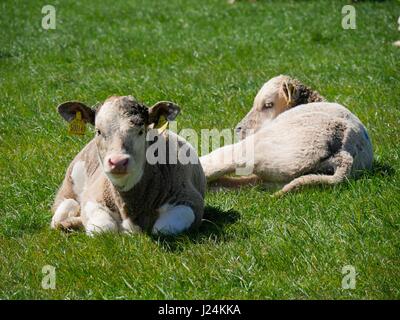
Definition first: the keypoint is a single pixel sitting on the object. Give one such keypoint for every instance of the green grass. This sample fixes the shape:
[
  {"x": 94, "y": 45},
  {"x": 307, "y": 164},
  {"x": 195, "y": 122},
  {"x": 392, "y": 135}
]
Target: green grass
[{"x": 210, "y": 58}]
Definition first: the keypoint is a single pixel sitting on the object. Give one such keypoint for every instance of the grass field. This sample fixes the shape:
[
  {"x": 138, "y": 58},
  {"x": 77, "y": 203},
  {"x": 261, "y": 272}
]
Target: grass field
[{"x": 210, "y": 58}]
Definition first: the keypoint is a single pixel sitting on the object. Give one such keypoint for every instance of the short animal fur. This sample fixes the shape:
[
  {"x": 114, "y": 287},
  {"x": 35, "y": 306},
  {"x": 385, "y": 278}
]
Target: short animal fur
[
  {"x": 110, "y": 186},
  {"x": 295, "y": 140}
]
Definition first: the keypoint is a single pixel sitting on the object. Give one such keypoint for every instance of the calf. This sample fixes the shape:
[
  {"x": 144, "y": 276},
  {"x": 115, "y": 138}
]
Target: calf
[
  {"x": 110, "y": 185},
  {"x": 313, "y": 143}
]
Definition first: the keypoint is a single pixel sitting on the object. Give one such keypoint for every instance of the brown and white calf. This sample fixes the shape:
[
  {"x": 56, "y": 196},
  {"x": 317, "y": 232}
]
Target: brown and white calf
[{"x": 110, "y": 185}]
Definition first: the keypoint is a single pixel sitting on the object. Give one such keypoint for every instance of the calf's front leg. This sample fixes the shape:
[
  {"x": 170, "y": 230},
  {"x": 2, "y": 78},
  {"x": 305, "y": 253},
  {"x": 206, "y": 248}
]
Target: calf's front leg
[
  {"x": 98, "y": 218},
  {"x": 67, "y": 209},
  {"x": 238, "y": 158}
]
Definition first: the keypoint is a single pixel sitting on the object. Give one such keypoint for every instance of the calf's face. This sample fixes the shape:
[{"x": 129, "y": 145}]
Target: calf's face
[
  {"x": 276, "y": 96},
  {"x": 121, "y": 126},
  {"x": 268, "y": 103}
]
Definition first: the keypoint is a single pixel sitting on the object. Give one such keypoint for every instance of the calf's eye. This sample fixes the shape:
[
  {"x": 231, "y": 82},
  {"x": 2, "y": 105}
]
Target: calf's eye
[
  {"x": 98, "y": 132},
  {"x": 268, "y": 105}
]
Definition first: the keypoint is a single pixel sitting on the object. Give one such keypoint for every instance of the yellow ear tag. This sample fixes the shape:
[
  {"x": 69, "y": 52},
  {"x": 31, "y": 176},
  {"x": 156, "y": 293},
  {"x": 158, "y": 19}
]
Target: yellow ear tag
[
  {"x": 77, "y": 126},
  {"x": 161, "y": 125}
]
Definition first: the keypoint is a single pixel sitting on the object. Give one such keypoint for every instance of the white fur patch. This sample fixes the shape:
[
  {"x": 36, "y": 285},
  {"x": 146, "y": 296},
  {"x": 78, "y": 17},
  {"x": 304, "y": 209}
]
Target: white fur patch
[
  {"x": 79, "y": 177},
  {"x": 126, "y": 183},
  {"x": 67, "y": 208},
  {"x": 129, "y": 227},
  {"x": 98, "y": 219},
  {"x": 173, "y": 220}
]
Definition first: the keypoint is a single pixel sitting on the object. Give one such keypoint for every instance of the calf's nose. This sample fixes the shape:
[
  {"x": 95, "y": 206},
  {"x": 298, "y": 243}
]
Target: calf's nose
[{"x": 118, "y": 162}]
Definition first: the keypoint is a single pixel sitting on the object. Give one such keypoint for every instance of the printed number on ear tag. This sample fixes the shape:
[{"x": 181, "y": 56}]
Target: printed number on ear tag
[
  {"x": 77, "y": 126},
  {"x": 161, "y": 125}
]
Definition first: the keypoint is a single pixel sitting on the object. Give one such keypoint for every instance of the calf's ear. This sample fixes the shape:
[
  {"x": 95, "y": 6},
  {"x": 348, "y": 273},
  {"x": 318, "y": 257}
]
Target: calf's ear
[
  {"x": 163, "y": 109},
  {"x": 296, "y": 93},
  {"x": 68, "y": 110},
  {"x": 288, "y": 90}
]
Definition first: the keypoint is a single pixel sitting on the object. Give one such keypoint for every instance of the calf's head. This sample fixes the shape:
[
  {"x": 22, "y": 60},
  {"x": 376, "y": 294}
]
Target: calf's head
[
  {"x": 276, "y": 96},
  {"x": 121, "y": 125}
]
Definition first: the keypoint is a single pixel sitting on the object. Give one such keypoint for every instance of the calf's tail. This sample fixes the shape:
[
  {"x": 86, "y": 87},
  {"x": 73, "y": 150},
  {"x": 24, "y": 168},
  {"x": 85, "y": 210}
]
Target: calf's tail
[{"x": 344, "y": 162}]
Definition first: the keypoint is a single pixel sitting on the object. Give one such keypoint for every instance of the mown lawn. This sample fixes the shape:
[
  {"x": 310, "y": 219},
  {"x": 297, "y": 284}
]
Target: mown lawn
[{"x": 210, "y": 58}]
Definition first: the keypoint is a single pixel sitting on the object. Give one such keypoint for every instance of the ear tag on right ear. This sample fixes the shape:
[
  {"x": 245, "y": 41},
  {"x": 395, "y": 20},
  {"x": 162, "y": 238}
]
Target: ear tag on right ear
[{"x": 77, "y": 126}]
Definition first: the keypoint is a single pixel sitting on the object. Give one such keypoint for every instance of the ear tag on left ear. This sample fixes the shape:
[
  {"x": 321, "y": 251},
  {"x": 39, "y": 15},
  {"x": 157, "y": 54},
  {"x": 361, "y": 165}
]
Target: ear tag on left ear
[
  {"x": 161, "y": 125},
  {"x": 77, "y": 126}
]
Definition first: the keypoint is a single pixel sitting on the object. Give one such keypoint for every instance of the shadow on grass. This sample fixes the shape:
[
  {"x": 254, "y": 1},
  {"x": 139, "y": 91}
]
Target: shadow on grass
[
  {"x": 380, "y": 169},
  {"x": 355, "y": 1},
  {"x": 212, "y": 229},
  {"x": 5, "y": 54},
  {"x": 217, "y": 219}
]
